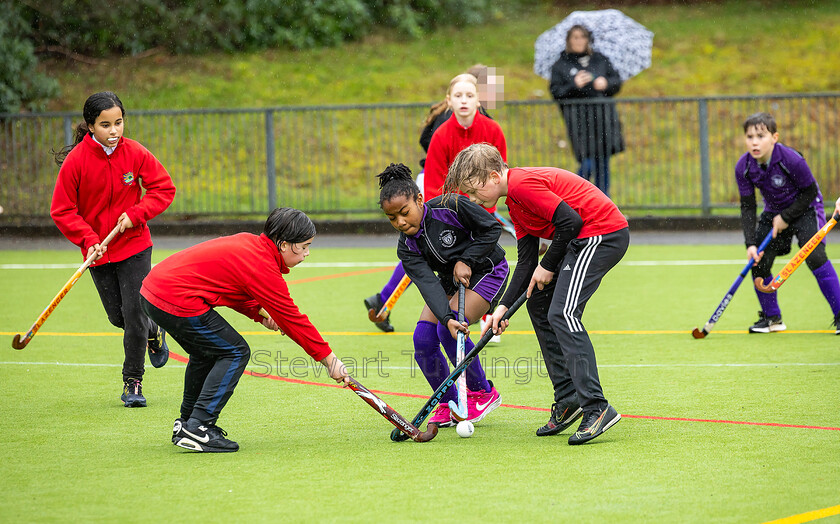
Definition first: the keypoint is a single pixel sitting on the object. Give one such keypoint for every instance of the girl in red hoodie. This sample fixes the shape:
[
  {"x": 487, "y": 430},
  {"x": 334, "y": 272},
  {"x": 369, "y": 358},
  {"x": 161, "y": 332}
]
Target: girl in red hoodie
[
  {"x": 244, "y": 272},
  {"x": 100, "y": 186}
]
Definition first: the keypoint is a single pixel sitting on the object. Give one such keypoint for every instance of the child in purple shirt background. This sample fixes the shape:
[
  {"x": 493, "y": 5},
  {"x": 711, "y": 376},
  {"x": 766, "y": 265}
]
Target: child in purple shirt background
[{"x": 793, "y": 205}]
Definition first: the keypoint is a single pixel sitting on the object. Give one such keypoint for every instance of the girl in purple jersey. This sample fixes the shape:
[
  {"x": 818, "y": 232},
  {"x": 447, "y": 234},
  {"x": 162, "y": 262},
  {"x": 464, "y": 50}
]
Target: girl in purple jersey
[
  {"x": 793, "y": 205},
  {"x": 443, "y": 243}
]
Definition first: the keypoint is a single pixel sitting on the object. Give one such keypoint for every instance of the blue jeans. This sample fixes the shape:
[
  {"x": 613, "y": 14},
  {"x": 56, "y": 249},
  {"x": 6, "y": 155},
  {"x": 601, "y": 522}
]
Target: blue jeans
[{"x": 597, "y": 171}]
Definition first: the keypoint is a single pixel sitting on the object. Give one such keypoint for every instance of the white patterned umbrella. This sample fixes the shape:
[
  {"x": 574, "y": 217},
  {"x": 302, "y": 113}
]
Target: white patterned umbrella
[{"x": 627, "y": 43}]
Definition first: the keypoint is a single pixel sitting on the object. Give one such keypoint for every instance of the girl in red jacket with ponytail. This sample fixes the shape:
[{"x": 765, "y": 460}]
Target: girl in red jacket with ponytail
[{"x": 100, "y": 186}]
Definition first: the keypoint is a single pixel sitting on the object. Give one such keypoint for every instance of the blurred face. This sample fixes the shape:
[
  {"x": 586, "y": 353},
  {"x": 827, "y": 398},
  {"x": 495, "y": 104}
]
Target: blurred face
[
  {"x": 463, "y": 99},
  {"x": 294, "y": 253},
  {"x": 406, "y": 215},
  {"x": 760, "y": 143},
  {"x": 486, "y": 193},
  {"x": 577, "y": 41},
  {"x": 108, "y": 128}
]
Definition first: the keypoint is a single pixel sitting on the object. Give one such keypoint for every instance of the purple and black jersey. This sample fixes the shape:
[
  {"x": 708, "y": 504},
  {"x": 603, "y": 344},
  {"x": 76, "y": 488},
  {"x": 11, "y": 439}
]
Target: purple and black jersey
[
  {"x": 458, "y": 230},
  {"x": 784, "y": 178}
]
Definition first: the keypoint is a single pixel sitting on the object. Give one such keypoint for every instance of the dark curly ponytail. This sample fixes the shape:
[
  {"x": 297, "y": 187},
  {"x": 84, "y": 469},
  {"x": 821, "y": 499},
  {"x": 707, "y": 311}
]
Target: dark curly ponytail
[{"x": 396, "y": 180}]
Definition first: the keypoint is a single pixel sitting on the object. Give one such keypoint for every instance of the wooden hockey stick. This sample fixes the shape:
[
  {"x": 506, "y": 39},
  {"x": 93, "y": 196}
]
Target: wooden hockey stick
[
  {"x": 797, "y": 259},
  {"x": 383, "y": 313},
  {"x": 20, "y": 342}
]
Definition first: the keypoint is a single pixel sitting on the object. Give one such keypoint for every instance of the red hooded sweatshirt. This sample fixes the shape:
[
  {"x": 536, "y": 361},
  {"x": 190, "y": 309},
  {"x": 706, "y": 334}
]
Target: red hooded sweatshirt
[
  {"x": 93, "y": 189},
  {"x": 243, "y": 272}
]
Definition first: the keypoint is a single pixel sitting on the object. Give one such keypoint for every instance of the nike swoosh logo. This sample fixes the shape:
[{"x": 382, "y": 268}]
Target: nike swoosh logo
[
  {"x": 481, "y": 407},
  {"x": 196, "y": 437}
]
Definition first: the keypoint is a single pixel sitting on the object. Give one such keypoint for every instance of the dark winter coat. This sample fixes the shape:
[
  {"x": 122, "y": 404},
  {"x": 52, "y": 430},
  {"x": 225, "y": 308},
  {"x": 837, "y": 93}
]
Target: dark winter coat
[{"x": 594, "y": 129}]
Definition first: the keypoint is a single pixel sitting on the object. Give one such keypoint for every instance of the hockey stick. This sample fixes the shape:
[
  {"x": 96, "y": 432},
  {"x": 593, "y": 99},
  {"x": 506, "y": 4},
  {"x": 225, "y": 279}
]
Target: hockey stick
[
  {"x": 383, "y": 313},
  {"x": 800, "y": 257},
  {"x": 697, "y": 333},
  {"x": 506, "y": 224},
  {"x": 384, "y": 409},
  {"x": 459, "y": 408},
  {"x": 433, "y": 401},
  {"x": 402, "y": 425},
  {"x": 20, "y": 342}
]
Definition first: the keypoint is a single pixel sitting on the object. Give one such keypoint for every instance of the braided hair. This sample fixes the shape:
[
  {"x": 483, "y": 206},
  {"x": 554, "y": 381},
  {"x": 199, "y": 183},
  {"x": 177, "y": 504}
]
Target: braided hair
[{"x": 396, "y": 180}]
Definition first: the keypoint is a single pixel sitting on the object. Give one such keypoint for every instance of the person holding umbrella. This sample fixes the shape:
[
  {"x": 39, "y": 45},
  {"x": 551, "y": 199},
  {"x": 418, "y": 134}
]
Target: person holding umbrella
[{"x": 594, "y": 128}]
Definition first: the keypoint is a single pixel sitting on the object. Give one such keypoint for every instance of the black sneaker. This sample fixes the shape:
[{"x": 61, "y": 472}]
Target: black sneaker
[
  {"x": 563, "y": 415},
  {"x": 767, "y": 324},
  {"x": 158, "y": 349},
  {"x": 179, "y": 422},
  {"x": 208, "y": 438},
  {"x": 836, "y": 323},
  {"x": 593, "y": 424},
  {"x": 375, "y": 304},
  {"x": 132, "y": 395}
]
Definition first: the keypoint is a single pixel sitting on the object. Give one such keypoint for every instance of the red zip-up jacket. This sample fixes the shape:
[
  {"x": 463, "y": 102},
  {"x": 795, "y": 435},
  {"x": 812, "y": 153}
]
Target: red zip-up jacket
[
  {"x": 449, "y": 140},
  {"x": 93, "y": 189},
  {"x": 243, "y": 272}
]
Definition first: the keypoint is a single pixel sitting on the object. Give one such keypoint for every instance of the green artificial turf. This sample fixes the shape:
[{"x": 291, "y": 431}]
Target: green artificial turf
[{"x": 706, "y": 434}]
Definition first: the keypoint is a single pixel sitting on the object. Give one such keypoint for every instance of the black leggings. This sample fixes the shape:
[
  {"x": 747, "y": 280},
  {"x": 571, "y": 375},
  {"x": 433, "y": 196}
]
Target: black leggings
[
  {"x": 118, "y": 284},
  {"x": 803, "y": 227},
  {"x": 218, "y": 357}
]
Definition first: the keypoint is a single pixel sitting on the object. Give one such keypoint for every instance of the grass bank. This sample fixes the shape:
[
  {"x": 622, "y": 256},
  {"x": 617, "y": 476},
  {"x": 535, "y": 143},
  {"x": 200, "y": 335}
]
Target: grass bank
[{"x": 729, "y": 47}]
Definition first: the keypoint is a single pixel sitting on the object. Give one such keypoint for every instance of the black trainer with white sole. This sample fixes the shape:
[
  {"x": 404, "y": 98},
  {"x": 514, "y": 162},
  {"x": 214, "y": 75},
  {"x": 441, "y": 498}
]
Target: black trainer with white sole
[
  {"x": 766, "y": 324},
  {"x": 563, "y": 415},
  {"x": 207, "y": 438},
  {"x": 593, "y": 424}
]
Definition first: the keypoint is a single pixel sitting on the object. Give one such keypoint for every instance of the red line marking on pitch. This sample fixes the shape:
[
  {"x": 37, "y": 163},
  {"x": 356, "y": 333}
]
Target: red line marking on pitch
[
  {"x": 181, "y": 358},
  {"x": 772, "y": 424}
]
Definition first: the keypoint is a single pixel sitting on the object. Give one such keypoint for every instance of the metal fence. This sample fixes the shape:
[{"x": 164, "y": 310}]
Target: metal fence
[{"x": 680, "y": 152}]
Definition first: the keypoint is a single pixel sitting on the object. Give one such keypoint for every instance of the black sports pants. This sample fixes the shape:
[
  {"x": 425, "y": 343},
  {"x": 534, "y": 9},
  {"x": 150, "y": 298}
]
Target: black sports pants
[
  {"x": 556, "y": 313},
  {"x": 218, "y": 357},
  {"x": 118, "y": 284}
]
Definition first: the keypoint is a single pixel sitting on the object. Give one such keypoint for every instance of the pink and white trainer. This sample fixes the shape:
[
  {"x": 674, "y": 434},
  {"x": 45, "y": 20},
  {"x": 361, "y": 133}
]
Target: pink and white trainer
[
  {"x": 442, "y": 417},
  {"x": 480, "y": 403}
]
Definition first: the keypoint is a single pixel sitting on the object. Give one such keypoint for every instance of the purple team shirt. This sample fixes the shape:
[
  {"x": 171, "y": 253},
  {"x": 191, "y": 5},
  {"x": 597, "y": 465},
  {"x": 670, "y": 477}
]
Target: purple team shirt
[{"x": 786, "y": 175}]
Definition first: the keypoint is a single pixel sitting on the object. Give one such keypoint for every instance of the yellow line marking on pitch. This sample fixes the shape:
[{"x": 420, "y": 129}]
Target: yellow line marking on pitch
[{"x": 808, "y": 517}]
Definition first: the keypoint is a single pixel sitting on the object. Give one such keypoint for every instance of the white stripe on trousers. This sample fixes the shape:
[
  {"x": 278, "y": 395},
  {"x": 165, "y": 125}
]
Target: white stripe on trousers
[{"x": 576, "y": 283}]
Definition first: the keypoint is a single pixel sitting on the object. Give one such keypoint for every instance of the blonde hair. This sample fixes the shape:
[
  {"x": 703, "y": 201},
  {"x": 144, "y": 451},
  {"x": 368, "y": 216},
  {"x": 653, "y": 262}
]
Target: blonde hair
[
  {"x": 463, "y": 77},
  {"x": 443, "y": 105},
  {"x": 472, "y": 167}
]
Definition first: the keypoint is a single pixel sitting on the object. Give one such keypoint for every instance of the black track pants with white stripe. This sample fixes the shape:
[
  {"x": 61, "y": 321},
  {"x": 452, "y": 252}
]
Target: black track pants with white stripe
[{"x": 556, "y": 313}]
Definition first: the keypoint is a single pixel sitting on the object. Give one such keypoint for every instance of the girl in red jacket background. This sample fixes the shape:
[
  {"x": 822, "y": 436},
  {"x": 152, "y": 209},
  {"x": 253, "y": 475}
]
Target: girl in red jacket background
[
  {"x": 100, "y": 186},
  {"x": 243, "y": 272},
  {"x": 465, "y": 127}
]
